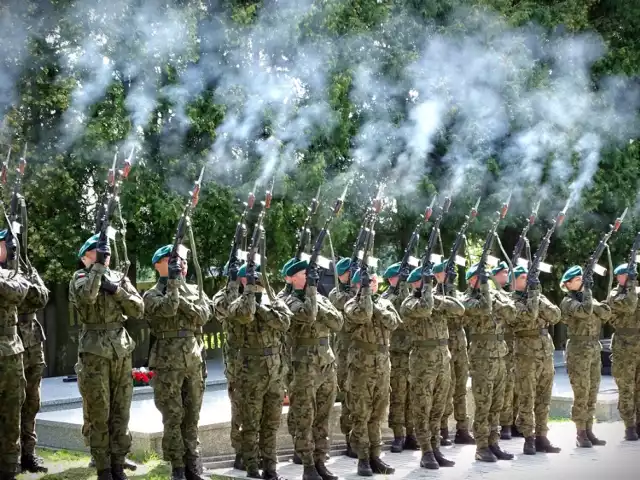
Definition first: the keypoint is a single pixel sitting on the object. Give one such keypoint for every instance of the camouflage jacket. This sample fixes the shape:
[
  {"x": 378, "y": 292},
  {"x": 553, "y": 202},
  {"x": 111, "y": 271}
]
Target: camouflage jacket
[
  {"x": 401, "y": 337},
  {"x": 12, "y": 292},
  {"x": 95, "y": 307},
  {"x": 625, "y": 316},
  {"x": 338, "y": 298},
  {"x": 584, "y": 317},
  {"x": 314, "y": 318},
  {"x": 173, "y": 308},
  {"x": 455, "y": 320},
  {"x": 369, "y": 321},
  {"x": 221, "y": 302},
  {"x": 29, "y": 328},
  {"x": 485, "y": 314},
  {"x": 530, "y": 325}
]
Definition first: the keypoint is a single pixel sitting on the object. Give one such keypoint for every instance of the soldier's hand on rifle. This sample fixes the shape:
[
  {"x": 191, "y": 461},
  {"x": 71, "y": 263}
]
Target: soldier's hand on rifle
[
  {"x": 404, "y": 274},
  {"x": 533, "y": 281},
  {"x": 233, "y": 270},
  {"x": 11, "y": 245},
  {"x": 175, "y": 268},
  {"x": 587, "y": 279},
  {"x": 313, "y": 275},
  {"x": 483, "y": 275},
  {"x": 102, "y": 249},
  {"x": 108, "y": 286}
]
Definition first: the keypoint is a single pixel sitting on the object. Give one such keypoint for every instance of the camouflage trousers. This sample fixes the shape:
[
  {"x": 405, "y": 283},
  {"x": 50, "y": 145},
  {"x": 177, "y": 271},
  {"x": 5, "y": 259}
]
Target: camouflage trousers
[
  {"x": 457, "y": 394},
  {"x": 12, "y": 384},
  {"x": 342, "y": 361},
  {"x": 106, "y": 387},
  {"x": 33, "y": 361},
  {"x": 368, "y": 398},
  {"x": 430, "y": 379},
  {"x": 510, "y": 404},
  {"x": 487, "y": 386},
  {"x": 232, "y": 369},
  {"x": 314, "y": 388},
  {"x": 178, "y": 397},
  {"x": 625, "y": 367},
  {"x": 584, "y": 368},
  {"x": 262, "y": 393},
  {"x": 400, "y": 414},
  {"x": 534, "y": 382}
]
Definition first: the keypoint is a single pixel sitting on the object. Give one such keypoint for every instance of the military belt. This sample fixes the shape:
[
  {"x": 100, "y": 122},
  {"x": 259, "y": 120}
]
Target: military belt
[
  {"x": 431, "y": 342},
  {"x": 308, "y": 342},
  {"x": 538, "y": 332},
  {"x": 584, "y": 338},
  {"x": 8, "y": 331},
  {"x": 102, "y": 326},
  {"x": 260, "y": 352},
  {"x": 487, "y": 336},
  {"x": 370, "y": 347},
  {"x": 628, "y": 331},
  {"x": 175, "y": 334},
  {"x": 509, "y": 336}
]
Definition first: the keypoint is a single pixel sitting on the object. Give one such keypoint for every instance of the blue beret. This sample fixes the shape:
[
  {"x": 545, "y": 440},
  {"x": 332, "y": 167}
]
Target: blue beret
[
  {"x": 3, "y": 234},
  {"x": 392, "y": 271},
  {"x": 161, "y": 253},
  {"x": 439, "y": 268},
  {"x": 471, "y": 271},
  {"x": 343, "y": 265},
  {"x": 571, "y": 273},
  {"x": 415, "y": 275},
  {"x": 519, "y": 270},
  {"x": 621, "y": 269},
  {"x": 290, "y": 262},
  {"x": 242, "y": 271},
  {"x": 501, "y": 266},
  {"x": 296, "y": 266},
  {"x": 356, "y": 276},
  {"x": 89, "y": 245}
]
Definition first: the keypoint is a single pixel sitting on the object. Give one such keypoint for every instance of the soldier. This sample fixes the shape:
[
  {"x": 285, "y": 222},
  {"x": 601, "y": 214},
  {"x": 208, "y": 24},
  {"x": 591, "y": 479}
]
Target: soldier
[
  {"x": 502, "y": 280},
  {"x": 625, "y": 347},
  {"x": 533, "y": 360},
  {"x": 430, "y": 362},
  {"x": 176, "y": 315},
  {"x": 13, "y": 290},
  {"x": 369, "y": 321},
  {"x": 400, "y": 413},
  {"x": 485, "y": 313},
  {"x": 315, "y": 384},
  {"x": 261, "y": 372},
  {"x": 339, "y": 298},
  {"x": 103, "y": 300},
  {"x": 584, "y": 317}
]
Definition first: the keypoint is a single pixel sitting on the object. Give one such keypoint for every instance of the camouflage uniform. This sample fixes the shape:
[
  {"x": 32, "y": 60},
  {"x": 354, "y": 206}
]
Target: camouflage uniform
[
  {"x": 287, "y": 343},
  {"x": 32, "y": 336},
  {"x": 104, "y": 360},
  {"x": 426, "y": 317},
  {"x": 314, "y": 383},
  {"x": 485, "y": 312},
  {"x": 176, "y": 315},
  {"x": 261, "y": 369},
  {"x": 369, "y": 323},
  {"x": 625, "y": 356},
  {"x": 584, "y": 317},
  {"x": 12, "y": 381},
  {"x": 510, "y": 405}
]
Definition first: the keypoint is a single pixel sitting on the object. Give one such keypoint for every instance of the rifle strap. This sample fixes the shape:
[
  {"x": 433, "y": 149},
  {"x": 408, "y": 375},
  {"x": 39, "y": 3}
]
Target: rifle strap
[
  {"x": 610, "y": 285},
  {"x": 504, "y": 254},
  {"x": 441, "y": 245},
  {"x": 196, "y": 264},
  {"x": 333, "y": 260},
  {"x": 123, "y": 234},
  {"x": 263, "y": 268}
]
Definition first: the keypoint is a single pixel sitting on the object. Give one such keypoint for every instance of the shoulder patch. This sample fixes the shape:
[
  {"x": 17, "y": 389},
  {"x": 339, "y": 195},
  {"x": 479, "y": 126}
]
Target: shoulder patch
[{"x": 81, "y": 275}]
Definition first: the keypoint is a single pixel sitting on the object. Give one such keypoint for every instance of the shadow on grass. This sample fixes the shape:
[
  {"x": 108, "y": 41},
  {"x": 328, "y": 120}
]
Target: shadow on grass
[{"x": 73, "y": 473}]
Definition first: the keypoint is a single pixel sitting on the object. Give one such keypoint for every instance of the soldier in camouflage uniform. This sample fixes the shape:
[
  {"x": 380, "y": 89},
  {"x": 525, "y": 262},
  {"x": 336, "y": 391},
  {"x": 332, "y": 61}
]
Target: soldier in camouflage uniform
[
  {"x": 261, "y": 372},
  {"x": 339, "y": 298},
  {"x": 625, "y": 347},
  {"x": 502, "y": 280},
  {"x": 103, "y": 300},
  {"x": 176, "y": 315},
  {"x": 315, "y": 384},
  {"x": 485, "y": 316},
  {"x": 400, "y": 412},
  {"x": 13, "y": 290},
  {"x": 369, "y": 320},
  {"x": 584, "y": 317},
  {"x": 426, "y": 318}
]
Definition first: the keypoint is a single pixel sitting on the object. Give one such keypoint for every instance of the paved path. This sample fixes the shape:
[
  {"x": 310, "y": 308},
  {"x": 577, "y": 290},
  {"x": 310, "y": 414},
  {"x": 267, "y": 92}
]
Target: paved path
[{"x": 617, "y": 460}]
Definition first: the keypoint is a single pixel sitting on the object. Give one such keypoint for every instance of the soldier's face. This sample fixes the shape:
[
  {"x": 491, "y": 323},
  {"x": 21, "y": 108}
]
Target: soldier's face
[
  {"x": 622, "y": 279},
  {"x": 502, "y": 277},
  {"x": 344, "y": 278},
  {"x": 574, "y": 284},
  {"x": 440, "y": 277},
  {"x": 521, "y": 282},
  {"x": 3, "y": 251},
  {"x": 299, "y": 280},
  {"x": 374, "y": 283},
  {"x": 163, "y": 267},
  {"x": 473, "y": 281},
  {"x": 90, "y": 258},
  {"x": 393, "y": 281},
  {"x": 416, "y": 284}
]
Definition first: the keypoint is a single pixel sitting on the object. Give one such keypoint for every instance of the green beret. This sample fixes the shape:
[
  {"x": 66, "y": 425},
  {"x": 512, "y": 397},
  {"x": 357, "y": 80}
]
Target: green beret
[
  {"x": 296, "y": 266},
  {"x": 622, "y": 269},
  {"x": 501, "y": 266},
  {"x": 290, "y": 262},
  {"x": 439, "y": 268},
  {"x": 415, "y": 275},
  {"x": 519, "y": 270},
  {"x": 89, "y": 245},
  {"x": 3, "y": 234},
  {"x": 356, "y": 276},
  {"x": 343, "y": 265},
  {"x": 472, "y": 270},
  {"x": 161, "y": 253},
  {"x": 242, "y": 271},
  {"x": 392, "y": 271},
  {"x": 571, "y": 273}
]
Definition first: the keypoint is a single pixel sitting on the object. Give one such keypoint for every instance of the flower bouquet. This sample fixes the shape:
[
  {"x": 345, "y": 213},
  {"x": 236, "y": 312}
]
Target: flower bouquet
[{"x": 141, "y": 377}]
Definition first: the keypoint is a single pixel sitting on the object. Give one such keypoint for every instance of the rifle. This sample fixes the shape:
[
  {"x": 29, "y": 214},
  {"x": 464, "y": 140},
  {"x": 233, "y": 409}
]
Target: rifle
[
  {"x": 11, "y": 234},
  {"x": 491, "y": 235},
  {"x": 403, "y": 272},
  {"x": 376, "y": 207},
  {"x": 427, "y": 264},
  {"x": 522, "y": 240},
  {"x": 254, "y": 246},
  {"x": 363, "y": 234},
  {"x": 238, "y": 237},
  {"x": 450, "y": 266},
  {"x": 631, "y": 264},
  {"x": 595, "y": 256}
]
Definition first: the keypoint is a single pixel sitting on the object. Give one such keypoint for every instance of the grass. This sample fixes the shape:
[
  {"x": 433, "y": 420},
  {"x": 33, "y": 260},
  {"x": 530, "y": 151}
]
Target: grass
[{"x": 559, "y": 419}]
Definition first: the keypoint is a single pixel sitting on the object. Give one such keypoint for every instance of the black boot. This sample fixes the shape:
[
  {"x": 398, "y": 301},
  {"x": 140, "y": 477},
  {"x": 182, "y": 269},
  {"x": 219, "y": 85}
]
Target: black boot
[
  {"x": 378, "y": 466},
  {"x": 105, "y": 474},
  {"x": 117, "y": 472},
  {"x": 499, "y": 453},
  {"x": 505, "y": 432},
  {"x": 238, "y": 463},
  {"x": 582, "y": 440},
  {"x": 324, "y": 472},
  {"x": 32, "y": 463},
  {"x": 309, "y": 472},
  {"x": 271, "y": 475},
  {"x": 515, "y": 432},
  {"x": 631, "y": 435},
  {"x": 397, "y": 445},
  {"x": 545, "y": 446},
  {"x": 529, "y": 446},
  {"x": 595, "y": 441},
  {"x": 129, "y": 465},
  {"x": 463, "y": 437},
  {"x": 8, "y": 476},
  {"x": 178, "y": 473},
  {"x": 350, "y": 453},
  {"x": 364, "y": 469},
  {"x": 92, "y": 463},
  {"x": 443, "y": 462},
  {"x": 485, "y": 455},
  {"x": 253, "y": 471},
  {"x": 296, "y": 458},
  {"x": 193, "y": 472},
  {"x": 429, "y": 461},
  {"x": 444, "y": 437},
  {"x": 411, "y": 443}
]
